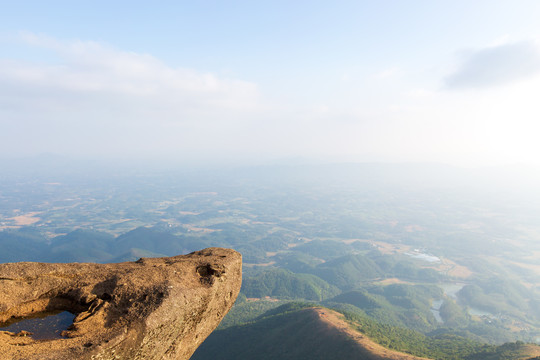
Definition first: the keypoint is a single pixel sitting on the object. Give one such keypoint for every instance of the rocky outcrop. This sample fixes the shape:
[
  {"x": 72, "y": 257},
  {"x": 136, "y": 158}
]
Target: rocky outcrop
[{"x": 154, "y": 308}]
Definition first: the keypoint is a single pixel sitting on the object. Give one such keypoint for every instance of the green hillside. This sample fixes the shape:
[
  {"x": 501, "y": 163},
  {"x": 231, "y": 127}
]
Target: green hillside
[
  {"x": 348, "y": 271},
  {"x": 83, "y": 245},
  {"x": 282, "y": 283},
  {"x": 22, "y": 245},
  {"x": 291, "y": 334},
  {"x": 294, "y": 331}
]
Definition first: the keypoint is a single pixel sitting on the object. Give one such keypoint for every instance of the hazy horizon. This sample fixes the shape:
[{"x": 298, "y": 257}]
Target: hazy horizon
[{"x": 244, "y": 82}]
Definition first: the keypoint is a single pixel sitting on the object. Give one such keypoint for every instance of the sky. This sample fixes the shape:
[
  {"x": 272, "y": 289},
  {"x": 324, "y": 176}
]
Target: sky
[{"x": 454, "y": 82}]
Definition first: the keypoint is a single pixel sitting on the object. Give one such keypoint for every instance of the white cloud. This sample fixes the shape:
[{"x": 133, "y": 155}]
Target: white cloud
[
  {"x": 502, "y": 40},
  {"x": 501, "y": 64},
  {"x": 94, "y": 67},
  {"x": 387, "y": 73},
  {"x": 92, "y": 99},
  {"x": 125, "y": 101}
]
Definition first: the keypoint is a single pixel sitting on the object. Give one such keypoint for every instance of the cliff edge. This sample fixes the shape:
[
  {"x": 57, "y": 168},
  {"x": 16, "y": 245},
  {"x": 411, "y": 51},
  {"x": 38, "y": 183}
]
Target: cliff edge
[{"x": 154, "y": 308}]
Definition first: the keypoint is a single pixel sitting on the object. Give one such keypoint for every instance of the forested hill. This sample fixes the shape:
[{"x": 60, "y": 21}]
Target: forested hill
[
  {"x": 300, "y": 331},
  {"x": 310, "y": 333},
  {"x": 428, "y": 269}
]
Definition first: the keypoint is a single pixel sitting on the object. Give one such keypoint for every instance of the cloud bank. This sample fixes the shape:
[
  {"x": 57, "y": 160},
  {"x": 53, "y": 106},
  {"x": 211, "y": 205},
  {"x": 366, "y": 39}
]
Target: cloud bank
[
  {"x": 89, "y": 99},
  {"x": 496, "y": 65},
  {"x": 93, "y": 96}
]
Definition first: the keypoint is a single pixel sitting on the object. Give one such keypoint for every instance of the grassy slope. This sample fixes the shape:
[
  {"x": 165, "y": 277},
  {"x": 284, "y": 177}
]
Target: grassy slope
[
  {"x": 288, "y": 333},
  {"x": 312, "y": 333}
]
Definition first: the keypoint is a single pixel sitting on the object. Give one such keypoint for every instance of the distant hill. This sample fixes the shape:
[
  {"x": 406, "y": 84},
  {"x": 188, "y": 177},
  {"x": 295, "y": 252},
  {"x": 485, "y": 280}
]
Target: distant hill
[
  {"x": 282, "y": 283},
  {"x": 21, "y": 245},
  {"x": 300, "y": 331},
  {"x": 311, "y": 333},
  {"x": 510, "y": 351},
  {"x": 348, "y": 271},
  {"x": 150, "y": 240},
  {"x": 134, "y": 254},
  {"x": 84, "y": 245},
  {"x": 81, "y": 245},
  {"x": 401, "y": 305}
]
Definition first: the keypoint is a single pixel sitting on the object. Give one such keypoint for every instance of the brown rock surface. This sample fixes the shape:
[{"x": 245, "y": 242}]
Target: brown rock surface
[{"x": 161, "y": 308}]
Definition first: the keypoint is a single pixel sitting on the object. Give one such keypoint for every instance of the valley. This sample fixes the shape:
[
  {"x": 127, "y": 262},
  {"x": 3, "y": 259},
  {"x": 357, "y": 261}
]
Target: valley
[{"x": 438, "y": 260}]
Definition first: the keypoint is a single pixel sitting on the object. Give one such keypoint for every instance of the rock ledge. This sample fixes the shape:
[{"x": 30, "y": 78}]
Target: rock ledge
[{"x": 154, "y": 308}]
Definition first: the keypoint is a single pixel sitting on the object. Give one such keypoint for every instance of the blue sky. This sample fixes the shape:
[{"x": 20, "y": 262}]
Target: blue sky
[{"x": 439, "y": 81}]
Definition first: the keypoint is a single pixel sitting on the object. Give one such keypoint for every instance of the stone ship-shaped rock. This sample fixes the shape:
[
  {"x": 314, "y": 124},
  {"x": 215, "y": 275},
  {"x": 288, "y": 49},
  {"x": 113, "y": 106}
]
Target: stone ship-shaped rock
[{"x": 154, "y": 308}]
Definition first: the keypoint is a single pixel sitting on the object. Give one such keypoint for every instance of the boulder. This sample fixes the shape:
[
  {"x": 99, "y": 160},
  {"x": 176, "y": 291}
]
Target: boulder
[{"x": 153, "y": 308}]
